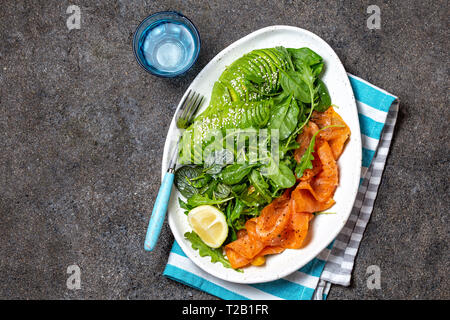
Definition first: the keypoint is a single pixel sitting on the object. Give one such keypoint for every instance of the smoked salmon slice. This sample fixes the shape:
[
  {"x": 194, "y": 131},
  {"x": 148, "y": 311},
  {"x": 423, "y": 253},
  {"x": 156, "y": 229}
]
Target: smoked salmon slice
[
  {"x": 297, "y": 230},
  {"x": 246, "y": 246},
  {"x": 323, "y": 185},
  {"x": 304, "y": 139},
  {"x": 335, "y": 136},
  {"x": 273, "y": 220}
]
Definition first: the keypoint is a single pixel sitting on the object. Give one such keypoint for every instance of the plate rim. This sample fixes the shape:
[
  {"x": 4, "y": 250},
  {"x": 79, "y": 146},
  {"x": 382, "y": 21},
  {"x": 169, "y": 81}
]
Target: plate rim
[{"x": 180, "y": 238}]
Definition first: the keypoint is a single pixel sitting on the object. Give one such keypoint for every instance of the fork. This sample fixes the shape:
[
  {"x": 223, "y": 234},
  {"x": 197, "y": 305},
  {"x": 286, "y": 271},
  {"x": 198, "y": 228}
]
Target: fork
[{"x": 184, "y": 117}]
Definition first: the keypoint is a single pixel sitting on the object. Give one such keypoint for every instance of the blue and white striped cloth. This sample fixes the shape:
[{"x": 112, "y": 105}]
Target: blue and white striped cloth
[{"x": 377, "y": 116}]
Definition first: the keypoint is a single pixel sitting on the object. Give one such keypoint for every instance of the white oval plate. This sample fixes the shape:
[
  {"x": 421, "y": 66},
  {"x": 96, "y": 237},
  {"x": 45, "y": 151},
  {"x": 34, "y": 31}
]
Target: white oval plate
[{"x": 324, "y": 228}]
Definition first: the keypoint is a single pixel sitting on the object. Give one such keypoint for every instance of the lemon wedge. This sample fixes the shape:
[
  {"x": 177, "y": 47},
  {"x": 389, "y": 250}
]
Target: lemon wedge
[{"x": 210, "y": 225}]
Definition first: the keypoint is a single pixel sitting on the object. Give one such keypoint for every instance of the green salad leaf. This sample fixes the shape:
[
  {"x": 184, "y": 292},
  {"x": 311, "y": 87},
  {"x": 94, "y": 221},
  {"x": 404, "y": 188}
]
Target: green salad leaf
[
  {"x": 235, "y": 173},
  {"x": 293, "y": 83},
  {"x": 203, "y": 250},
  {"x": 323, "y": 96},
  {"x": 183, "y": 180},
  {"x": 200, "y": 200},
  {"x": 284, "y": 117},
  {"x": 281, "y": 176}
]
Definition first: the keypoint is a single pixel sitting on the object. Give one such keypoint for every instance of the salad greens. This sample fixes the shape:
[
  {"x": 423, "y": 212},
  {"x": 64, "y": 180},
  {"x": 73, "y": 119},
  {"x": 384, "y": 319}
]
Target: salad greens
[
  {"x": 215, "y": 254},
  {"x": 271, "y": 91}
]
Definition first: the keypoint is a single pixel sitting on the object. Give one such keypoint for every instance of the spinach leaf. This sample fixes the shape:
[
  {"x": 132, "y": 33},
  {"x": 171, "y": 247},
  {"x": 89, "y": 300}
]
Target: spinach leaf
[
  {"x": 221, "y": 191},
  {"x": 280, "y": 175},
  {"x": 304, "y": 56},
  {"x": 286, "y": 179},
  {"x": 234, "y": 173},
  {"x": 324, "y": 97},
  {"x": 284, "y": 117},
  {"x": 183, "y": 177},
  {"x": 281, "y": 98},
  {"x": 203, "y": 250},
  {"x": 292, "y": 82},
  {"x": 317, "y": 69}
]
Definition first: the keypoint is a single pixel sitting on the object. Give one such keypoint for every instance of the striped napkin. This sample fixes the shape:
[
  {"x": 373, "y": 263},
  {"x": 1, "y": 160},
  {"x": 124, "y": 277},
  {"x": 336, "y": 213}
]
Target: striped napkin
[{"x": 377, "y": 111}]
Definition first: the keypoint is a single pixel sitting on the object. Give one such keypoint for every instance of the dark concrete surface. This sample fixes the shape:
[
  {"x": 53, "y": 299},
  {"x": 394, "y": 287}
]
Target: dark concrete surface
[{"x": 83, "y": 128}]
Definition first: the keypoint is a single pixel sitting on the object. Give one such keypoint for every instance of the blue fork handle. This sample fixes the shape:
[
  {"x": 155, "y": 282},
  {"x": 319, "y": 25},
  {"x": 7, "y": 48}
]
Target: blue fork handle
[{"x": 159, "y": 212}]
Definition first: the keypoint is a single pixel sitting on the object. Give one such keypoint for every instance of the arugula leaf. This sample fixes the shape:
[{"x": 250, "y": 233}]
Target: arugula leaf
[
  {"x": 233, "y": 215},
  {"x": 307, "y": 157},
  {"x": 323, "y": 212},
  {"x": 238, "y": 188},
  {"x": 185, "y": 206},
  {"x": 203, "y": 250},
  {"x": 290, "y": 145},
  {"x": 199, "y": 200},
  {"x": 252, "y": 198},
  {"x": 306, "y": 160},
  {"x": 209, "y": 188},
  {"x": 308, "y": 77},
  {"x": 260, "y": 185},
  {"x": 200, "y": 181}
]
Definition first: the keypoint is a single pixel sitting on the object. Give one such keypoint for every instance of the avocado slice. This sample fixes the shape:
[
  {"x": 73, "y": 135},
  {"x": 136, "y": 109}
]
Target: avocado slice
[
  {"x": 239, "y": 77},
  {"x": 258, "y": 60},
  {"x": 219, "y": 96},
  {"x": 272, "y": 67},
  {"x": 253, "y": 79},
  {"x": 278, "y": 63},
  {"x": 229, "y": 79}
]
